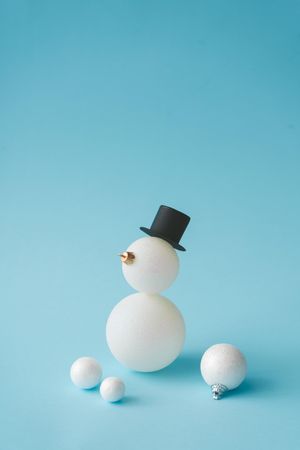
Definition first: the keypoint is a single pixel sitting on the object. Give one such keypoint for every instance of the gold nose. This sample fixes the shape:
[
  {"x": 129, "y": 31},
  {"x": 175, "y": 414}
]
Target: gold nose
[{"x": 127, "y": 257}]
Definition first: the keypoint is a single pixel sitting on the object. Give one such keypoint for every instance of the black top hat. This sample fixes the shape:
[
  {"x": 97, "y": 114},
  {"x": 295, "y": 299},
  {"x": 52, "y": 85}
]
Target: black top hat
[{"x": 168, "y": 224}]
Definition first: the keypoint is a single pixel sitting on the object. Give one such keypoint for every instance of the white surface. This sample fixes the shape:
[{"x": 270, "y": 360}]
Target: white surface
[
  {"x": 112, "y": 389},
  {"x": 155, "y": 266},
  {"x": 224, "y": 364},
  {"x": 86, "y": 372},
  {"x": 145, "y": 332}
]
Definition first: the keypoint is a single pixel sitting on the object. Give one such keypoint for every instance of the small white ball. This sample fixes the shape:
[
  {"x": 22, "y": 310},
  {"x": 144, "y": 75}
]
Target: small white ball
[
  {"x": 112, "y": 389},
  {"x": 86, "y": 372},
  {"x": 155, "y": 265},
  {"x": 145, "y": 332},
  {"x": 223, "y": 364}
]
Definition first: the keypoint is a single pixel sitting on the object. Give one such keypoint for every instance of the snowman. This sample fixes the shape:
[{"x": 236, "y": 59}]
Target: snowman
[{"x": 145, "y": 331}]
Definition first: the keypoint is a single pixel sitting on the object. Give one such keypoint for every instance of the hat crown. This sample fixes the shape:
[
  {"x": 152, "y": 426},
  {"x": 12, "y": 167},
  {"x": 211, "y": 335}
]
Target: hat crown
[{"x": 169, "y": 224}]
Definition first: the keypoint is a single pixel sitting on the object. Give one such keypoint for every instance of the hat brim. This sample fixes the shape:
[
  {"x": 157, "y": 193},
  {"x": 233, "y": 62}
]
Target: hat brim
[{"x": 154, "y": 234}]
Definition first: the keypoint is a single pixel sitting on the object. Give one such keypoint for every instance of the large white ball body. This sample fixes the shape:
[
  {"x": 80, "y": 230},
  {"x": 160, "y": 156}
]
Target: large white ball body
[
  {"x": 155, "y": 265},
  {"x": 86, "y": 372},
  {"x": 145, "y": 332},
  {"x": 223, "y": 364}
]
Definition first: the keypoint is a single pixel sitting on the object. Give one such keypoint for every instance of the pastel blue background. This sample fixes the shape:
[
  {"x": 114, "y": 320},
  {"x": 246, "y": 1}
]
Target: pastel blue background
[{"x": 107, "y": 110}]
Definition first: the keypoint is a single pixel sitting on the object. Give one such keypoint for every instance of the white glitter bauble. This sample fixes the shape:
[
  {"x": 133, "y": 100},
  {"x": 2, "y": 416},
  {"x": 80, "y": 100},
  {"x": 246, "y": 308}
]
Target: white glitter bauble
[
  {"x": 145, "y": 332},
  {"x": 112, "y": 389},
  {"x": 223, "y": 367},
  {"x": 86, "y": 372},
  {"x": 155, "y": 265}
]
